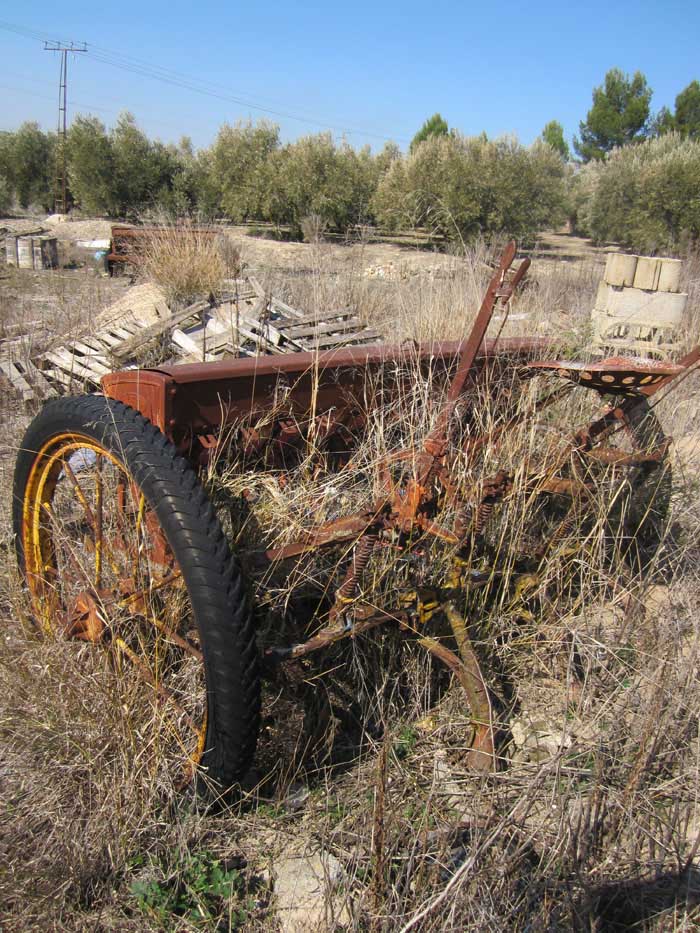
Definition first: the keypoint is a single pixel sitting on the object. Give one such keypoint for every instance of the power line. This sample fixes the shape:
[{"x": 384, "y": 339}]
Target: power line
[
  {"x": 183, "y": 81},
  {"x": 186, "y": 84},
  {"x": 80, "y": 103}
]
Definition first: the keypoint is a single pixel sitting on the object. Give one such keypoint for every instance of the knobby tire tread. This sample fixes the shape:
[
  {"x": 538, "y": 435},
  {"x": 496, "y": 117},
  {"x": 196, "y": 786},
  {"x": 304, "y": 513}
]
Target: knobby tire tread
[{"x": 220, "y": 603}]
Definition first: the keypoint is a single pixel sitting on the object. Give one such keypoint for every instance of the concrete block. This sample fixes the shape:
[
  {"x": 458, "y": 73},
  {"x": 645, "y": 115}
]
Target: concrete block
[
  {"x": 670, "y": 275},
  {"x": 601, "y": 298},
  {"x": 37, "y": 252},
  {"x": 646, "y": 275},
  {"x": 620, "y": 269},
  {"x": 655, "y": 309},
  {"x": 25, "y": 252}
]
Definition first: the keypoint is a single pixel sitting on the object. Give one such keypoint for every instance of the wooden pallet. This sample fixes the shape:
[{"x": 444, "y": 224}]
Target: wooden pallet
[
  {"x": 26, "y": 379},
  {"x": 229, "y": 330},
  {"x": 249, "y": 322},
  {"x": 80, "y": 364}
]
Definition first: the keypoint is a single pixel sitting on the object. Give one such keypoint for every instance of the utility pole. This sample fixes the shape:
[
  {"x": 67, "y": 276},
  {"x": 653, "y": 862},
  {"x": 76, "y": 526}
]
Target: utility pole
[{"x": 60, "y": 202}]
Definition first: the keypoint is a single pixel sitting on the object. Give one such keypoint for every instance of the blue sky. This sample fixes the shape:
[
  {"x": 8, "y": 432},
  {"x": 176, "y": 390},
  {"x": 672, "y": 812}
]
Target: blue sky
[{"x": 371, "y": 69}]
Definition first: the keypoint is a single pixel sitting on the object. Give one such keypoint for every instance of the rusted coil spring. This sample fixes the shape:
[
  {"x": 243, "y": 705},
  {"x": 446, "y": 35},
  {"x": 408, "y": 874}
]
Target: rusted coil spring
[
  {"x": 483, "y": 513},
  {"x": 563, "y": 529},
  {"x": 360, "y": 558}
]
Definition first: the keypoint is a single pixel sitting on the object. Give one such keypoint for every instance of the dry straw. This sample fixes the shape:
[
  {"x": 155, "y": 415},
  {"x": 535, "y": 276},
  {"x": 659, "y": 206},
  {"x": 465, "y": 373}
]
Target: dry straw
[
  {"x": 187, "y": 260},
  {"x": 595, "y": 822}
]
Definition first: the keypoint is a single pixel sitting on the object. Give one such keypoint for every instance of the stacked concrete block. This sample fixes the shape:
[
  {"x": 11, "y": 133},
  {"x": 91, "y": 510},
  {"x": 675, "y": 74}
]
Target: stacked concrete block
[{"x": 639, "y": 306}]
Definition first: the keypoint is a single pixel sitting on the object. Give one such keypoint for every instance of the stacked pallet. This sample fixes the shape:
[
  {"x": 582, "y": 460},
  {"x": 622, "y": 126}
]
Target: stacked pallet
[{"x": 247, "y": 321}]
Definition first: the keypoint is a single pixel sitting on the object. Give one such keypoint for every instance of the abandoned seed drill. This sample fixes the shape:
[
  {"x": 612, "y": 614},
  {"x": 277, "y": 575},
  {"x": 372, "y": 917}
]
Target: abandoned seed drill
[{"x": 121, "y": 547}]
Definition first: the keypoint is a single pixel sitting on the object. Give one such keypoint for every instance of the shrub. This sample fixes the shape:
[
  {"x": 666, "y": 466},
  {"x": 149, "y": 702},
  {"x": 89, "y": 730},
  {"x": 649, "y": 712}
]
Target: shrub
[
  {"x": 313, "y": 176},
  {"x": 462, "y": 187},
  {"x": 91, "y": 166},
  {"x": 123, "y": 171},
  {"x": 187, "y": 261},
  {"x": 239, "y": 164},
  {"x": 581, "y": 189},
  {"x": 646, "y": 196},
  {"x": 5, "y": 196},
  {"x": 27, "y": 163}
]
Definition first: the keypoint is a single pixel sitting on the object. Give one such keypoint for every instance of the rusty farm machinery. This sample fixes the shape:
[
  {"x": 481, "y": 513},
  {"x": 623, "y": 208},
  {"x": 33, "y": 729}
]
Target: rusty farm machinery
[{"x": 123, "y": 550}]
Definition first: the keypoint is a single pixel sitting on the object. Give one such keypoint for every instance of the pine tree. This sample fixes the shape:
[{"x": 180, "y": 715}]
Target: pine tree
[{"x": 619, "y": 115}]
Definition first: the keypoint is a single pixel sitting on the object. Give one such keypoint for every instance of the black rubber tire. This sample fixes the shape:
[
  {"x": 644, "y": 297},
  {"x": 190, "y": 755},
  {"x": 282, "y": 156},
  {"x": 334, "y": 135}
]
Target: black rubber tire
[{"x": 220, "y": 605}]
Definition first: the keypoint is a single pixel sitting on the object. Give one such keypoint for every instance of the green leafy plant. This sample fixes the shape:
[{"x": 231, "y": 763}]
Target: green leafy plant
[
  {"x": 200, "y": 889},
  {"x": 405, "y": 742},
  {"x": 643, "y": 196},
  {"x": 433, "y": 126}
]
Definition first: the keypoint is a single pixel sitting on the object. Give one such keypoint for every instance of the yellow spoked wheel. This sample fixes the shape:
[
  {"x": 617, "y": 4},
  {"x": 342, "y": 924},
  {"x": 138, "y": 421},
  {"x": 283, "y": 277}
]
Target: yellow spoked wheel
[{"x": 121, "y": 548}]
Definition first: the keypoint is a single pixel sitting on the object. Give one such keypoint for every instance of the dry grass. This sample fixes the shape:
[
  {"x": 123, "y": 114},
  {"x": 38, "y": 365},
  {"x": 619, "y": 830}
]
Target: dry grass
[
  {"x": 188, "y": 260},
  {"x": 594, "y": 824},
  {"x": 440, "y": 303}
]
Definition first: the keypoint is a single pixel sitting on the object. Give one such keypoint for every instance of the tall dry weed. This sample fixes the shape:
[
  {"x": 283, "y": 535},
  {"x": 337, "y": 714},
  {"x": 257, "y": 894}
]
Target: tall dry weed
[
  {"x": 188, "y": 260},
  {"x": 593, "y": 821}
]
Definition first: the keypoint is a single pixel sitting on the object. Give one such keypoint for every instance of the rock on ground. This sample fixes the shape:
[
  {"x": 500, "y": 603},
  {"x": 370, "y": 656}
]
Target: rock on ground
[{"x": 304, "y": 893}]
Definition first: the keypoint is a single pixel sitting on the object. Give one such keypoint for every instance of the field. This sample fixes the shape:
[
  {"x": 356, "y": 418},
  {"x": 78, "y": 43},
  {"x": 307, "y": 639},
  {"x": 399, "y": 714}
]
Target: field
[{"x": 592, "y": 823}]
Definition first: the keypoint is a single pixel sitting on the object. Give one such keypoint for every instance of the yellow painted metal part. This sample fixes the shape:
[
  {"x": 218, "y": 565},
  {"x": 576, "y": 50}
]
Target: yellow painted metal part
[{"x": 37, "y": 547}]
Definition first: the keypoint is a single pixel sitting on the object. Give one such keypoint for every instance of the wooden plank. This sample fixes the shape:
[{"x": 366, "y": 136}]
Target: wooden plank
[
  {"x": 187, "y": 343},
  {"x": 16, "y": 379},
  {"x": 59, "y": 376},
  {"x": 89, "y": 357},
  {"x": 123, "y": 332},
  {"x": 323, "y": 317},
  {"x": 95, "y": 346},
  {"x": 347, "y": 339},
  {"x": 231, "y": 309},
  {"x": 309, "y": 330},
  {"x": 70, "y": 364},
  {"x": 216, "y": 340},
  {"x": 157, "y": 329},
  {"x": 272, "y": 334},
  {"x": 109, "y": 339},
  {"x": 276, "y": 304},
  {"x": 24, "y": 371},
  {"x": 257, "y": 287},
  {"x": 37, "y": 378},
  {"x": 259, "y": 339}
]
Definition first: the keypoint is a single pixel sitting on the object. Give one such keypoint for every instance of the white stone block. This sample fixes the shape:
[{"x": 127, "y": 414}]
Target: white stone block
[
  {"x": 620, "y": 269},
  {"x": 656, "y": 309},
  {"x": 670, "y": 275},
  {"x": 646, "y": 275},
  {"x": 601, "y": 298},
  {"x": 11, "y": 248}
]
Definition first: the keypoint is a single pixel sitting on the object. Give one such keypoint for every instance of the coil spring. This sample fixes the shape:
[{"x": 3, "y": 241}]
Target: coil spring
[
  {"x": 360, "y": 558},
  {"x": 483, "y": 513},
  {"x": 564, "y": 528}
]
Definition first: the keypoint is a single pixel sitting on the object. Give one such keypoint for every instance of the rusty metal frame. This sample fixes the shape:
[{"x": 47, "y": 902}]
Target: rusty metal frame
[{"x": 281, "y": 400}]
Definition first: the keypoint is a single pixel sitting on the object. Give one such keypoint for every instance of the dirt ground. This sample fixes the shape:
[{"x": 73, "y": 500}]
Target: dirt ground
[{"x": 262, "y": 253}]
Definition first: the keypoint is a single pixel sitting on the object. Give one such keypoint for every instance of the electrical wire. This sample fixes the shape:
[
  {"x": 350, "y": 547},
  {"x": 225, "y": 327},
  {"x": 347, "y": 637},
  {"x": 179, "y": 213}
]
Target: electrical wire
[
  {"x": 182, "y": 81},
  {"x": 91, "y": 108}
]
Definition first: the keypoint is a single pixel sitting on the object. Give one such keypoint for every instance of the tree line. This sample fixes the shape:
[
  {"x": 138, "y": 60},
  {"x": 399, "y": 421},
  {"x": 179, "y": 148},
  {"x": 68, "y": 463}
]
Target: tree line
[
  {"x": 639, "y": 184},
  {"x": 454, "y": 185}
]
